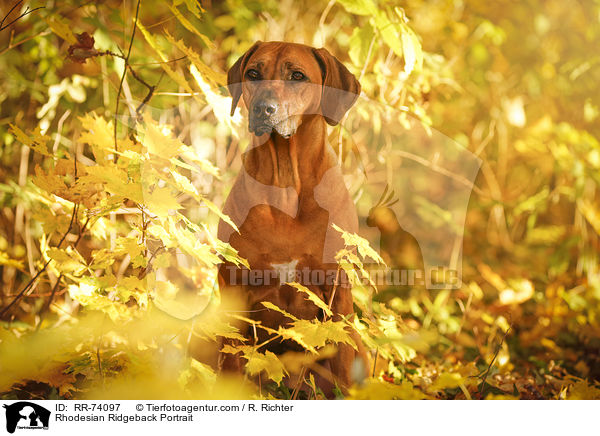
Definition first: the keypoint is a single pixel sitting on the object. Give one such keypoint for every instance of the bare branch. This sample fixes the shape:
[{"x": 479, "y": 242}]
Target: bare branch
[
  {"x": 27, "y": 12},
  {"x": 137, "y": 12}
]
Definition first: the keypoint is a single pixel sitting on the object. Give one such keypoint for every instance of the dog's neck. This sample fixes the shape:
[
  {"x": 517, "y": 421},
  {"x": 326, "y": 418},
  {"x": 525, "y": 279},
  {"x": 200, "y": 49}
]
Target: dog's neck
[{"x": 298, "y": 161}]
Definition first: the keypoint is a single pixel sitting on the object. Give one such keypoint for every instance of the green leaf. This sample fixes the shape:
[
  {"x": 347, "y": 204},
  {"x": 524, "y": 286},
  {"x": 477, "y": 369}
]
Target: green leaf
[{"x": 389, "y": 33}]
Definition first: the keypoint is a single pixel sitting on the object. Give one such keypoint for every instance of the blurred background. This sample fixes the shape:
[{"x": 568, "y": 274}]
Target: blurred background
[{"x": 481, "y": 117}]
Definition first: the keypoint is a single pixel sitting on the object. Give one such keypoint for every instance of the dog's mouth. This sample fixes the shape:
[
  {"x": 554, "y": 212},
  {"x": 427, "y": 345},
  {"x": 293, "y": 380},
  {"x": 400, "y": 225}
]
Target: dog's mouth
[{"x": 284, "y": 127}]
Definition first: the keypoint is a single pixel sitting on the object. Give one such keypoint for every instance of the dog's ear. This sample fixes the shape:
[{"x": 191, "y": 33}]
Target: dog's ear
[
  {"x": 340, "y": 87},
  {"x": 234, "y": 76}
]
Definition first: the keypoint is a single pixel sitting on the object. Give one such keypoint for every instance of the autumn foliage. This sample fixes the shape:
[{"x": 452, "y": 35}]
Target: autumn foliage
[{"x": 118, "y": 151}]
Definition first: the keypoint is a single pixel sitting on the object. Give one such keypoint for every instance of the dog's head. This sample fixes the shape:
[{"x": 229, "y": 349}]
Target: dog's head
[{"x": 282, "y": 82}]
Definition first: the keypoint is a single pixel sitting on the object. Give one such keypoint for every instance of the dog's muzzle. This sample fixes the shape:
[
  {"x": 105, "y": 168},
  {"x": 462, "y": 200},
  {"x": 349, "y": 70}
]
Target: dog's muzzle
[{"x": 266, "y": 114}]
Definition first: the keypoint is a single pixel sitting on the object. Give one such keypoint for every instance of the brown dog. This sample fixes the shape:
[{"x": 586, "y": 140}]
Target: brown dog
[{"x": 289, "y": 194}]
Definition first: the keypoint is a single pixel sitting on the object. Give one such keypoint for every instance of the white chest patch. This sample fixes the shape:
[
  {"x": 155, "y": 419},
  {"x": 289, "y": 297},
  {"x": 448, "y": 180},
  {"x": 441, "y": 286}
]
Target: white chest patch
[{"x": 286, "y": 272}]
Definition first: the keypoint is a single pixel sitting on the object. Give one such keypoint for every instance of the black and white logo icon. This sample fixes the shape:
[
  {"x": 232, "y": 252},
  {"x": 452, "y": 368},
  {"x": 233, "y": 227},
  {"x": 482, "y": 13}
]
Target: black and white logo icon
[{"x": 26, "y": 415}]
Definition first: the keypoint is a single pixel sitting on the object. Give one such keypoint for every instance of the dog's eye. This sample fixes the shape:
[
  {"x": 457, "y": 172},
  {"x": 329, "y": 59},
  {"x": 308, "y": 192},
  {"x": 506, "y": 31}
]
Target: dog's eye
[
  {"x": 297, "y": 75},
  {"x": 252, "y": 75}
]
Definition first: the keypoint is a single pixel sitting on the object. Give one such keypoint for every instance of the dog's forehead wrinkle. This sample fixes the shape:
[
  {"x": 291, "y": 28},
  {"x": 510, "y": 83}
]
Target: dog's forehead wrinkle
[
  {"x": 257, "y": 64},
  {"x": 275, "y": 59}
]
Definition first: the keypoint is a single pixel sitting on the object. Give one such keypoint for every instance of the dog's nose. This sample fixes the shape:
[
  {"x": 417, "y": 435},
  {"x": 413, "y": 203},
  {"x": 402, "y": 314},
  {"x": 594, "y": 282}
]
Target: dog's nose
[{"x": 265, "y": 108}]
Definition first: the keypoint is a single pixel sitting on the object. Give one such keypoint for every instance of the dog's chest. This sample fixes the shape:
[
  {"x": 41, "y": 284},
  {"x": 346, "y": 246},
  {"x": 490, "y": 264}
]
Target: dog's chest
[{"x": 272, "y": 238}]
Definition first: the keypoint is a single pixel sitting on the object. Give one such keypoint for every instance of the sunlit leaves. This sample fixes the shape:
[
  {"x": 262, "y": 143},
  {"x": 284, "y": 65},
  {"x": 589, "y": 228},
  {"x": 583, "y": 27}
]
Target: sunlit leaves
[
  {"x": 98, "y": 134},
  {"x": 267, "y": 362},
  {"x": 382, "y": 390},
  {"x": 162, "y": 201},
  {"x": 115, "y": 180},
  {"x": 582, "y": 390},
  {"x": 360, "y": 41},
  {"x": 359, "y": 7},
  {"x": 36, "y": 141},
  {"x": 5, "y": 259},
  {"x": 361, "y": 244},
  {"x": 158, "y": 142},
  {"x": 313, "y": 298},
  {"x": 67, "y": 260},
  {"x": 411, "y": 49},
  {"x": 214, "y": 77},
  {"x": 391, "y": 29},
  {"x": 189, "y": 26},
  {"x": 314, "y": 334},
  {"x": 60, "y": 26}
]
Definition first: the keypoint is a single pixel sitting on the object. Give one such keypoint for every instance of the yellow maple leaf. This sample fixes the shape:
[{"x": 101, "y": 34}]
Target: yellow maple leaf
[
  {"x": 271, "y": 306},
  {"x": 98, "y": 134},
  {"x": 582, "y": 390},
  {"x": 268, "y": 362},
  {"x": 67, "y": 260},
  {"x": 115, "y": 181},
  {"x": 215, "y": 77},
  {"x": 36, "y": 141},
  {"x": 159, "y": 142},
  {"x": 315, "y": 334},
  {"x": 447, "y": 380},
  {"x": 373, "y": 389},
  {"x": 311, "y": 296},
  {"x": 128, "y": 245},
  {"x": 189, "y": 26},
  {"x": 363, "y": 246},
  {"x": 61, "y": 27},
  {"x": 6, "y": 260}
]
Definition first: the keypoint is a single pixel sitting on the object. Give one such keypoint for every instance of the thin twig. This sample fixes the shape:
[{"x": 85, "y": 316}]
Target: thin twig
[
  {"x": 23, "y": 41},
  {"x": 43, "y": 269},
  {"x": 335, "y": 285},
  {"x": 375, "y": 362},
  {"x": 137, "y": 11},
  {"x": 49, "y": 302},
  {"x": 364, "y": 68},
  {"x": 299, "y": 383},
  {"x": 323, "y": 18},
  {"x": 99, "y": 364},
  {"x": 136, "y": 76},
  {"x": 441, "y": 170},
  {"x": 158, "y": 63},
  {"x": 27, "y": 12},
  {"x": 487, "y": 371},
  {"x": 55, "y": 287},
  {"x": 151, "y": 90}
]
